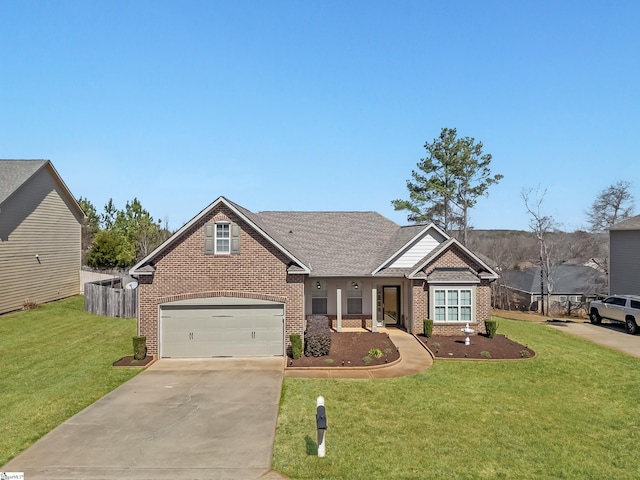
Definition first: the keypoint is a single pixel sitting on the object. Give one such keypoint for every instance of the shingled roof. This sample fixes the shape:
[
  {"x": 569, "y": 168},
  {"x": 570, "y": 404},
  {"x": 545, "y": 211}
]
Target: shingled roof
[
  {"x": 567, "y": 279},
  {"x": 632, "y": 223},
  {"x": 333, "y": 243},
  {"x": 324, "y": 244},
  {"x": 14, "y": 173}
]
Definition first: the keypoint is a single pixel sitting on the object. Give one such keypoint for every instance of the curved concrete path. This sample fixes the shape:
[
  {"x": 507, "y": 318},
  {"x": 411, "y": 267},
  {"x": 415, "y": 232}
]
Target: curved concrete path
[{"x": 414, "y": 358}]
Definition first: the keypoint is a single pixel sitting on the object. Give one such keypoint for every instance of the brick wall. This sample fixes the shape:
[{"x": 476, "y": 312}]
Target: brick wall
[
  {"x": 183, "y": 271},
  {"x": 453, "y": 257}
]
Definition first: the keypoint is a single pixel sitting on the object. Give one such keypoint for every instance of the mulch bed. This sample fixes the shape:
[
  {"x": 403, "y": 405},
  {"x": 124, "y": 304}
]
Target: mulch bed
[
  {"x": 132, "y": 362},
  {"x": 481, "y": 347},
  {"x": 351, "y": 349}
]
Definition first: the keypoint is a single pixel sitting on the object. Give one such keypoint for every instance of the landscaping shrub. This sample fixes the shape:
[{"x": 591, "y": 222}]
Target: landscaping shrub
[
  {"x": 296, "y": 345},
  {"x": 317, "y": 337},
  {"x": 139, "y": 347},
  {"x": 375, "y": 352},
  {"x": 491, "y": 326},
  {"x": 428, "y": 327}
]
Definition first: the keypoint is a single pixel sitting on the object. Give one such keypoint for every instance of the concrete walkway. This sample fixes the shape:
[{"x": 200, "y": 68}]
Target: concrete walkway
[
  {"x": 610, "y": 335},
  {"x": 414, "y": 358},
  {"x": 179, "y": 419}
]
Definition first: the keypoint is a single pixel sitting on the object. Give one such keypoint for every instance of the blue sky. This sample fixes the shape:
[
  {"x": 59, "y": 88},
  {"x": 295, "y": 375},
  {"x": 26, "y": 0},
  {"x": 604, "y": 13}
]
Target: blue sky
[{"x": 321, "y": 105}]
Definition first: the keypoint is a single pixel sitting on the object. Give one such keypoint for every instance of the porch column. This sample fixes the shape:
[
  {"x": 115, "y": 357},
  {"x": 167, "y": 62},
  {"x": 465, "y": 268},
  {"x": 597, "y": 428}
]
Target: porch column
[
  {"x": 374, "y": 309},
  {"x": 339, "y": 308}
]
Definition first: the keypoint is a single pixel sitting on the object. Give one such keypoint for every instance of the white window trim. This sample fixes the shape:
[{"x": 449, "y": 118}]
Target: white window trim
[
  {"x": 228, "y": 239},
  {"x": 447, "y": 287}
]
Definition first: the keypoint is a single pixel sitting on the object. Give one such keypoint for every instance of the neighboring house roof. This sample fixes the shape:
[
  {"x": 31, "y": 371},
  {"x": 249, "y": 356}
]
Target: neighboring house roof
[
  {"x": 632, "y": 223},
  {"x": 567, "y": 279},
  {"x": 16, "y": 173},
  {"x": 333, "y": 244}
]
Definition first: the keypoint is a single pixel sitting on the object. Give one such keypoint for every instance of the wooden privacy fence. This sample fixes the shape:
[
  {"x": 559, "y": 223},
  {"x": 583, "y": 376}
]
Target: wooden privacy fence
[{"x": 107, "y": 297}]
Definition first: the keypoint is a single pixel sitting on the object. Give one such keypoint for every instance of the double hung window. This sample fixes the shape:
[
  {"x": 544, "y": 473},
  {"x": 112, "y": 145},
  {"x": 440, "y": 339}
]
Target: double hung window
[{"x": 223, "y": 238}]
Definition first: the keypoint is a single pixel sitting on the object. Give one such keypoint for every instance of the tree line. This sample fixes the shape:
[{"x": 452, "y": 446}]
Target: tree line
[
  {"x": 456, "y": 172},
  {"x": 119, "y": 238}
]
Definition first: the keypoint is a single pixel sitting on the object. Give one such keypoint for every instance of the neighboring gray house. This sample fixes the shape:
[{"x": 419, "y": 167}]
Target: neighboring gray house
[
  {"x": 40, "y": 223},
  {"x": 624, "y": 257},
  {"x": 570, "y": 283}
]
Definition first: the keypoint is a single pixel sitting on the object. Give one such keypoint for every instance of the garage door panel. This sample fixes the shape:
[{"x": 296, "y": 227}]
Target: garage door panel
[{"x": 206, "y": 331}]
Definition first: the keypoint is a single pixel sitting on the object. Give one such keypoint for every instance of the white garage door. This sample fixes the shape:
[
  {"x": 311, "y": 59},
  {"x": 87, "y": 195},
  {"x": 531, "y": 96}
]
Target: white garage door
[{"x": 221, "y": 327}]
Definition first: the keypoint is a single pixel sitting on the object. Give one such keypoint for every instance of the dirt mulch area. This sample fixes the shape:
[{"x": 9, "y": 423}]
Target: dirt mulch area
[
  {"x": 132, "y": 362},
  {"x": 351, "y": 349},
  {"x": 481, "y": 347}
]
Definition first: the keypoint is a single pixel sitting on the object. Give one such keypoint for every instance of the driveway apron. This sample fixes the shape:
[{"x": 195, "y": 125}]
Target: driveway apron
[
  {"x": 179, "y": 419},
  {"x": 610, "y": 335}
]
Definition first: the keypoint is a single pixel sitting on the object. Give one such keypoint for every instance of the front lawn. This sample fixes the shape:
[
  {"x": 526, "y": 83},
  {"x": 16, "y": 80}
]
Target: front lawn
[
  {"x": 54, "y": 361},
  {"x": 570, "y": 412}
]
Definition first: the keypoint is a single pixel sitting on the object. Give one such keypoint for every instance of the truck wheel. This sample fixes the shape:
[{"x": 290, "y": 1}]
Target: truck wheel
[
  {"x": 594, "y": 317},
  {"x": 631, "y": 326}
]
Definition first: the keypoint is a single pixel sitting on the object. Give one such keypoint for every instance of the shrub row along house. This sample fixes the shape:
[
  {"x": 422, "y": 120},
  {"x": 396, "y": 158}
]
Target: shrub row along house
[{"x": 232, "y": 282}]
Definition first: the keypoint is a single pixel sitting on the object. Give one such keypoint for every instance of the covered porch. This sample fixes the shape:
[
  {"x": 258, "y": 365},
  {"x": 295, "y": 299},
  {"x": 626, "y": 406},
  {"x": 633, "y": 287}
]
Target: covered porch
[{"x": 364, "y": 304}]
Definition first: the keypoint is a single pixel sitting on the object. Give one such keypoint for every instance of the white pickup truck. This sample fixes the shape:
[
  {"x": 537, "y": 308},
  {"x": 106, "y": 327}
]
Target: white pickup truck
[{"x": 618, "y": 308}]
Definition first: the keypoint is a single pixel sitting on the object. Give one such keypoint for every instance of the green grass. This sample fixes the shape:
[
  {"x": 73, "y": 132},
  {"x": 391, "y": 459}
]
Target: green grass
[
  {"x": 54, "y": 361},
  {"x": 573, "y": 411}
]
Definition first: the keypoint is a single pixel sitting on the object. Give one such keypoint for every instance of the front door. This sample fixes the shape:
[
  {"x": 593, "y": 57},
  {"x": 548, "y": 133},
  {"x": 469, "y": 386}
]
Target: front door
[{"x": 390, "y": 314}]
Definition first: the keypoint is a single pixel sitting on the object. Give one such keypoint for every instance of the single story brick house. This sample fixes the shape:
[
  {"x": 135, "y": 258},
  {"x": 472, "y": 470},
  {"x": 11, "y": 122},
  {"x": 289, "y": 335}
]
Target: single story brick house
[{"x": 231, "y": 282}]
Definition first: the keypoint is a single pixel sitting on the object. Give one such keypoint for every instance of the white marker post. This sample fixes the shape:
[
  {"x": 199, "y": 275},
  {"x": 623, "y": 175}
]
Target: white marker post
[{"x": 321, "y": 425}]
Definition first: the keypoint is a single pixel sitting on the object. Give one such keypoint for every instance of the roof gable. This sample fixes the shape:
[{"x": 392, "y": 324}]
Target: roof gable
[
  {"x": 15, "y": 175},
  {"x": 484, "y": 270},
  {"x": 409, "y": 245},
  {"x": 142, "y": 267}
]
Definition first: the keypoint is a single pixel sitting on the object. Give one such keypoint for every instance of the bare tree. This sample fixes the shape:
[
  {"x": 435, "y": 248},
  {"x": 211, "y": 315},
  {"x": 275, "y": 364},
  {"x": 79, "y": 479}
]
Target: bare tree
[
  {"x": 612, "y": 205},
  {"x": 541, "y": 225}
]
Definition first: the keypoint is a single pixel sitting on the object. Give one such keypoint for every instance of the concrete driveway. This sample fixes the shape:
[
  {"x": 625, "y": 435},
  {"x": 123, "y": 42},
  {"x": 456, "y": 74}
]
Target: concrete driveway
[
  {"x": 610, "y": 335},
  {"x": 179, "y": 419}
]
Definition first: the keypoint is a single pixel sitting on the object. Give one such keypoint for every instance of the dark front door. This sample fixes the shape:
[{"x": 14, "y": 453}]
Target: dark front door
[{"x": 391, "y": 305}]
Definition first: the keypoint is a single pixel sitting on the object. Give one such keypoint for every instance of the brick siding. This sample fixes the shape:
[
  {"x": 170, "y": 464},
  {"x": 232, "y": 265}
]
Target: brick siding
[
  {"x": 453, "y": 257},
  {"x": 183, "y": 271}
]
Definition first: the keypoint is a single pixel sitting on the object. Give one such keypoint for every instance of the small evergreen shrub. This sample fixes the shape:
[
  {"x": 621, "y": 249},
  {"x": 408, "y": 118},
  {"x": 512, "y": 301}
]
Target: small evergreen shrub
[
  {"x": 296, "y": 345},
  {"x": 428, "y": 327},
  {"x": 317, "y": 337},
  {"x": 375, "y": 353},
  {"x": 491, "y": 326},
  {"x": 139, "y": 347}
]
